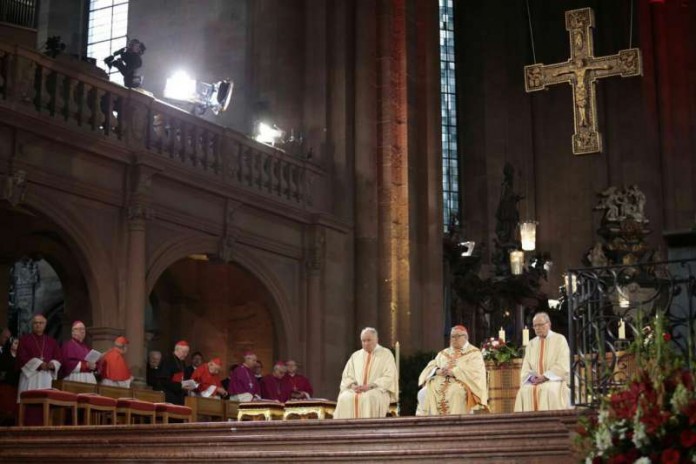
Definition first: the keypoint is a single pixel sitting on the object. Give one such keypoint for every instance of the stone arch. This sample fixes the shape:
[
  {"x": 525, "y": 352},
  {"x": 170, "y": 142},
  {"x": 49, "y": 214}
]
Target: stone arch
[
  {"x": 91, "y": 259},
  {"x": 176, "y": 249}
]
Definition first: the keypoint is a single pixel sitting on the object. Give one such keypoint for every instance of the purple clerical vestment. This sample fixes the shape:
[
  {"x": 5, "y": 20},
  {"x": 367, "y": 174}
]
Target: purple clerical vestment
[
  {"x": 242, "y": 380},
  {"x": 42, "y": 347},
  {"x": 298, "y": 383},
  {"x": 274, "y": 388},
  {"x": 73, "y": 352}
]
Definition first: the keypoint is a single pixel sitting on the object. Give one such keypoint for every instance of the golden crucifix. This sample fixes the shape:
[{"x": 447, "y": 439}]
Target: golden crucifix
[{"x": 581, "y": 71}]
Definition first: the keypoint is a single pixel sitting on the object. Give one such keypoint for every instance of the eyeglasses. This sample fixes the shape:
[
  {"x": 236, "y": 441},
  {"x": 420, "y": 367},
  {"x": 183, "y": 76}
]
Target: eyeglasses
[
  {"x": 460, "y": 335},
  {"x": 536, "y": 326}
]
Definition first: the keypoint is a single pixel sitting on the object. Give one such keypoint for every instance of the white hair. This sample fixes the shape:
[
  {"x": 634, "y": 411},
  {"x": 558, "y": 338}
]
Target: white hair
[
  {"x": 543, "y": 314},
  {"x": 371, "y": 330}
]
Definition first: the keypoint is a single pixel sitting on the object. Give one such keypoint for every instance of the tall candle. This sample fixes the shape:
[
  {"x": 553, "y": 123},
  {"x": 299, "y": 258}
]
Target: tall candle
[
  {"x": 525, "y": 336},
  {"x": 622, "y": 329},
  {"x": 501, "y": 334},
  {"x": 517, "y": 262}
]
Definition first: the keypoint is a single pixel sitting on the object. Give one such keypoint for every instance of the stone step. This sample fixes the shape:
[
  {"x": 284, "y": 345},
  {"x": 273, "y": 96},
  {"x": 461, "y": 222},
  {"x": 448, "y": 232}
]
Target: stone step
[{"x": 538, "y": 437}]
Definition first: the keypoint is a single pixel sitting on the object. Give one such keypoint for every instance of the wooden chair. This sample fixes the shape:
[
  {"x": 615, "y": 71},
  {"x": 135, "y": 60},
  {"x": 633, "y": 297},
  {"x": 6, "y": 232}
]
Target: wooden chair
[
  {"x": 48, "y": 399},
  {"x": 167, "y": 411},
  {"x": 101, "y": 407},
  {"x": 132, "y": 410}
]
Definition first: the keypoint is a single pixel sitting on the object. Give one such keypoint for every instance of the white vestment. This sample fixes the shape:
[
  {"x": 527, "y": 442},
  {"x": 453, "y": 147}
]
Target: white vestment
[
  {"x": 32, "y": 379},
  {"x": 77, "y": 376},
  {"x": 117, "y": 383},
  {"x": 376, "y": 369},
  {"x": 549, "y": 357}
]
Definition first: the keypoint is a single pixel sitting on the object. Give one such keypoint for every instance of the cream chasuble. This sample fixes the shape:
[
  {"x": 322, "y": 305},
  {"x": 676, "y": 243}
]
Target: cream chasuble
[
  {"x": 377, "y": 369},
  {"x": 465, "y": 391},
  {"x": 549, "y": 357}
]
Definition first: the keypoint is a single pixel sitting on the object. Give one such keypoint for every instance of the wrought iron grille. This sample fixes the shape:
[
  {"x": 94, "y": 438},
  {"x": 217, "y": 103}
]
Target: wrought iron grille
[
  {"x": 19, "y": 12},
  {"x": 599, "y": 299}
]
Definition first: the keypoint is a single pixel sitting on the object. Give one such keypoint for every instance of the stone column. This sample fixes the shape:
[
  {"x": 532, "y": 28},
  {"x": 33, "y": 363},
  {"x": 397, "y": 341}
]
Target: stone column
[
  {"x": 314, "y": 262},
  {"x": 138, "y": 214}
]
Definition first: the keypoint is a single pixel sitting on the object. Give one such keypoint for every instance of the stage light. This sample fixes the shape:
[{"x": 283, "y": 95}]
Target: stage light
[
  {"x": 204, "y": 96},
  {"x": 265, "y": 133}
]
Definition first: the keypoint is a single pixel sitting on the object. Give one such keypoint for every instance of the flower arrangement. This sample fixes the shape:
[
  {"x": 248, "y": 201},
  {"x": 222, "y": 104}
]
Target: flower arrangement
[
  {"x": 496, "y": 350},
  {"x": 652, "y": 419}
]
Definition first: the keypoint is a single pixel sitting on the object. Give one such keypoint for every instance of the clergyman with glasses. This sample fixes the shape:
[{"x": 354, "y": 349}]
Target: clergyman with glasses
[
  {"x": 455, "y": 381},
  {"x": 545, "y": 370}
]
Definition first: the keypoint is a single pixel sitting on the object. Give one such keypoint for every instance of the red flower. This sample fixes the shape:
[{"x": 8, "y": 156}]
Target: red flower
[
  {"x": 688, "y": 380},
  {"x": 688, "y": 439},
  {"x": 670, "y": 456},
  {"x": 666, "y": 336},
  {"x": 690, "y": 412}
]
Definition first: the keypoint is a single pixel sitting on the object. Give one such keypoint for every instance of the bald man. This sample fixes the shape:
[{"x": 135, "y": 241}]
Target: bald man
[
  {"x": 38, "y": 357},
  {"x": 75, "y": 368},
  {"x": 369, "y": 380}
]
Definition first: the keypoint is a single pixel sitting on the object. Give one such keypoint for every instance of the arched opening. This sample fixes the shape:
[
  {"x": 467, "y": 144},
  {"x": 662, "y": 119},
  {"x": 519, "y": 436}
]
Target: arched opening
[
  {"x": 221, "y": 309},
  {"x": 39, "y": 273}
]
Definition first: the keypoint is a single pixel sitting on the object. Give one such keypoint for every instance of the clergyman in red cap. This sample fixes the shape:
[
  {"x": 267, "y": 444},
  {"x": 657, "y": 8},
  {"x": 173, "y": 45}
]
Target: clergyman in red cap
[
  {"x": 113, "y": 367},
  {"x": 207, "y": 376},
  {"x": 171, "y": 374},
  {"x": 455, "y": 381}
]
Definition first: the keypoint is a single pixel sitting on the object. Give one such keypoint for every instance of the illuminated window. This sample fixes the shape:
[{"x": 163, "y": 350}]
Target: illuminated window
[
  {"x": 106, "y": 32},
  {"x": 448, "y": 107}
]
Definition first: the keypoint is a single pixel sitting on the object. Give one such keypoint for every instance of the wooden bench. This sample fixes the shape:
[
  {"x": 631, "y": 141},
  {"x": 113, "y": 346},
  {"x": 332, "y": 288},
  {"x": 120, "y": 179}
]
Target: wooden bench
[{"x": 204, "y": 408}]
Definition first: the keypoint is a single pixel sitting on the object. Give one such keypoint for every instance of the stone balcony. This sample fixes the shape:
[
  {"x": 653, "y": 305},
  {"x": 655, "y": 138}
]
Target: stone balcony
[{"x": 82, "y": 106}]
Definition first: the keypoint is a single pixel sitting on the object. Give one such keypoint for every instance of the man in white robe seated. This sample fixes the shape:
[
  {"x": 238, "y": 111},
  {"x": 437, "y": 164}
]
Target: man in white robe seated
[
  {"x": 545, "y": 370},
  {"x": 368, "y": 384},
  {"x": 455, "y": 381}
]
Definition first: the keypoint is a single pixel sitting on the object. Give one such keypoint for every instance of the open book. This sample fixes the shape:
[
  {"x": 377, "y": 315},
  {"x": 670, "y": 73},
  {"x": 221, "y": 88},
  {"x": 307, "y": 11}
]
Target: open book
[{"x": 192, "y": 384}]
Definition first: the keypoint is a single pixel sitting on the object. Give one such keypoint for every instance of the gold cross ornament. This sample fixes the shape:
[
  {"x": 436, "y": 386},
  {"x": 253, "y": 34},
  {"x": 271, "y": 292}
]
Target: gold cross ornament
[{"x": 581, "y": 71}]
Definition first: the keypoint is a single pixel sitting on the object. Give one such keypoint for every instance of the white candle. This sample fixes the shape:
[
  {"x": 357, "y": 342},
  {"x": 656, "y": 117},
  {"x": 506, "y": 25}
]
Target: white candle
[
  {"x": 517, "y": 262},
  {"x": 501, "y": 334},
  {"x": 525, "y": 336},
  {"x": 528, "y": 235},
  {"x": 622, "y": 329}
]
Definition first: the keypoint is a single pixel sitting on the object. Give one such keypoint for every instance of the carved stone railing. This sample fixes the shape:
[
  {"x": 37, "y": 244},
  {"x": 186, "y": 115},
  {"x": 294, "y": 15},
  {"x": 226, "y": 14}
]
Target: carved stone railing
[{"x": 36, "y": 85}]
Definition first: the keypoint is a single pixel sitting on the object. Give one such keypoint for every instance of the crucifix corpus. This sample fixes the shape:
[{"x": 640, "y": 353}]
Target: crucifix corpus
[{"x": 581, "y": 71}]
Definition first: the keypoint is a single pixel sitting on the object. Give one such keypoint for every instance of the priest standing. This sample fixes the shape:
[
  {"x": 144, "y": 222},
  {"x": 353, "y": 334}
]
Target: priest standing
[
  {"x": 38, "y": 357},
  {"x": 113, "y": 367},
  {"x": 171, "y": 374},
  {"x": 545, "y": 370},
  {"x": 243, "y": 384},
  {"x": 455, "y": 381},
  {"x": 369, "y": 380},
  {"x": 75, "y": 368}
]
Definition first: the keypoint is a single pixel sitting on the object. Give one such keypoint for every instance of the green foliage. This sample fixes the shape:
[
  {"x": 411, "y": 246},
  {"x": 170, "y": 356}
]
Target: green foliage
[{"x": 499, "y": 352}]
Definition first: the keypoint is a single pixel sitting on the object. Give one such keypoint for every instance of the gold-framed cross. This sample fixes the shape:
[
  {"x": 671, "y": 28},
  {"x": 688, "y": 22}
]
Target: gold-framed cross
[{"x": 581, "y": 71}]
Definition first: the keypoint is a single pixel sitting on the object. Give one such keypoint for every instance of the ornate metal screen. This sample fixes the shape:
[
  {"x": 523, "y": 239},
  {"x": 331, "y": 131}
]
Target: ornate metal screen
[{"x": 601, "y": 299}]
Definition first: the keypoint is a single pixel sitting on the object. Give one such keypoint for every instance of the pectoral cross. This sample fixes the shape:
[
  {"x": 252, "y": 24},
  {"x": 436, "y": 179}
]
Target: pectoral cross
[{"x": 581, "y": 71}]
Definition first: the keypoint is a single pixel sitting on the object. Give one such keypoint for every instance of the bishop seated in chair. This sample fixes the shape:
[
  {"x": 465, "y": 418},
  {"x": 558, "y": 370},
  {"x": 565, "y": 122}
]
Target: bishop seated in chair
[
  {"x": 369, "y": 380},
  {"x": 545, "y": 370},
  {"x": 455, "y": 381}
]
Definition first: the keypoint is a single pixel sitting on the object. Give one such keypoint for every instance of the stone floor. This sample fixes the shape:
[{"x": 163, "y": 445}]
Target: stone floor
[{"x": 493, "y": 438}]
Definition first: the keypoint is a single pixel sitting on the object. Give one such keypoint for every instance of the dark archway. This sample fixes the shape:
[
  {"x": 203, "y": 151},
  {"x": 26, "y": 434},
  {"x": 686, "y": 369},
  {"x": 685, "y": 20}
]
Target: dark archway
[
  {"x": 41, "y": 269},
  {"x": 221, "y": 309}
]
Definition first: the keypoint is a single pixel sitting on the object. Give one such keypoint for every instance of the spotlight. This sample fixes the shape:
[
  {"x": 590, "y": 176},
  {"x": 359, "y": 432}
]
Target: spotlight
[
  {"x": 204, "y": 96},
  {"x": 265, "y": 133}
]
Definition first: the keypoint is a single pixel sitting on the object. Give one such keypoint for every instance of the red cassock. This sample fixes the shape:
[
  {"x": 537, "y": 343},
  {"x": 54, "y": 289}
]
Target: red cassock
[
  {"x": 273, "y": 388},
  {"x": 298, "y": 383},
  {"x": 113, "y": 366},
  {"x": 205, "y": 379}
]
